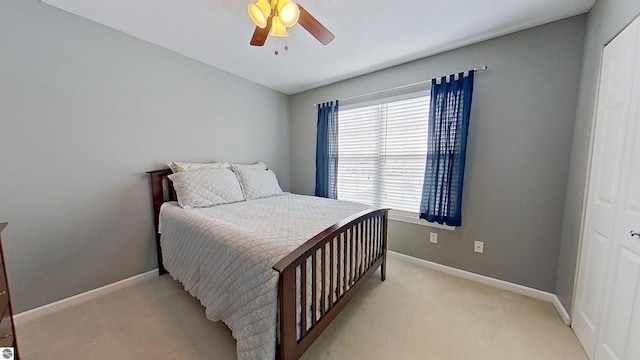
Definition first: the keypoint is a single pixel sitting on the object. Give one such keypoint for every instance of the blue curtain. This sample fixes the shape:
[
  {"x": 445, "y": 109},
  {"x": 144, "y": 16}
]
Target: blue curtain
[
  {"x": 447, "y": 143},
  {"x": 327, "y": 150}
]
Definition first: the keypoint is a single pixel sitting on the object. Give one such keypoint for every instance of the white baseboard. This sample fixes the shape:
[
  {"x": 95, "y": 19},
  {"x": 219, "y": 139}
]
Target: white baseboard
[
  {"x": 564, "y": 315},
  {"x": 501, "y": 284},
  {"x": 85, "y": 296}
]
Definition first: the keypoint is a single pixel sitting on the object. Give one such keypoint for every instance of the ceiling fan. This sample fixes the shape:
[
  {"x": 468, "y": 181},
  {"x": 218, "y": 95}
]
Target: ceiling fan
[{"x": 273, "y": 17}]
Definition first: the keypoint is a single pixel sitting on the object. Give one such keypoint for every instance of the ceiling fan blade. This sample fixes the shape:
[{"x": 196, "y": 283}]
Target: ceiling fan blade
[
  {"x": 314, "y": 27},
  {"x": 260, "y": 34}
]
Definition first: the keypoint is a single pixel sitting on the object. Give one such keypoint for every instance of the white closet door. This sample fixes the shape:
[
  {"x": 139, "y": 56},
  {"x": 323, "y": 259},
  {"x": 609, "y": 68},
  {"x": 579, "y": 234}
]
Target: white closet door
[
  {"x": 600, "y": 281},
  {"x": 620, "y": 331}
]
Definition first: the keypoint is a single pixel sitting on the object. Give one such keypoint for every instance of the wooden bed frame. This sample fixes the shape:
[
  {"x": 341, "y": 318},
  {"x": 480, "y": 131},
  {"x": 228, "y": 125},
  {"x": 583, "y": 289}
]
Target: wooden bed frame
[{"x": 355, "y": 247}]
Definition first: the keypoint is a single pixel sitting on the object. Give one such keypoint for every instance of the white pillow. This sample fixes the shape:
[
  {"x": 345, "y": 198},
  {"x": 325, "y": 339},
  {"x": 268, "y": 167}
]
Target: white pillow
[
  {"x": 261, "y": 166},
  {"x": 258, "y": 183},
  {"x": 206, "y": 187},
  {"x": 184, "y": 166}
]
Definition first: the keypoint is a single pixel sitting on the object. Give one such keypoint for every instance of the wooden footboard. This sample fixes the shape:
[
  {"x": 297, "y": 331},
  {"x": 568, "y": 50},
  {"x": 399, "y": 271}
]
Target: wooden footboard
[
  {"x": 324, "y": 273},
  {"x": 321, "y": 275}
]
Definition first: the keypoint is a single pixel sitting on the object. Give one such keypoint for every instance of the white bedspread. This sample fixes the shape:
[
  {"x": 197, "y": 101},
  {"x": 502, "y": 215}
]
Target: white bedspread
[{"x": 223, "y": 255}]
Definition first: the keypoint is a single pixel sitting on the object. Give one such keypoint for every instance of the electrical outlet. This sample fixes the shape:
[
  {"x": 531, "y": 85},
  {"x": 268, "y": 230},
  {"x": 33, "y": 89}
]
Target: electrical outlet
[
  {"x": 433, "y": 237},
  {"x": 478, "y": 246}
]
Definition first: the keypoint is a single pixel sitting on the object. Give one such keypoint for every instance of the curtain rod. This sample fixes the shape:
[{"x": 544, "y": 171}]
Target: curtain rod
[{"x": 482, "y": 68}]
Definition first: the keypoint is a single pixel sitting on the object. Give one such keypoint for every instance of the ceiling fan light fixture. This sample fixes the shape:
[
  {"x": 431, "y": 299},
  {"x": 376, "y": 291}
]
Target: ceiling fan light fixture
[
  {"x": 289, "y": 13},
  {"x": 277, "y": 29},
  {"x": 259, "y": 12},
  {"x": 272, "y": 18}
]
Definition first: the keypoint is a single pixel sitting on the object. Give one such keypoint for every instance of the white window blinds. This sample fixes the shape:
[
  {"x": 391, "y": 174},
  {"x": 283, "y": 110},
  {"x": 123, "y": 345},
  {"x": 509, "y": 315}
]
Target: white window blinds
[{"x": 382, "y": 151}]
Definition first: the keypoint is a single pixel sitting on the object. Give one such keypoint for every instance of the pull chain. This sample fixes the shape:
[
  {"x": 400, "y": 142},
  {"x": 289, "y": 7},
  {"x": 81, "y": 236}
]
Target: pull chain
[{"x": 277, "y": 42}]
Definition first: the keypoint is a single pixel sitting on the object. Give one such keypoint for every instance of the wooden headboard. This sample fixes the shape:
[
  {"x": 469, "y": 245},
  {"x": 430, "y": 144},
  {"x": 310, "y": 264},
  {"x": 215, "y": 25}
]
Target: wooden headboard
[{"x": 161, "y": 191}]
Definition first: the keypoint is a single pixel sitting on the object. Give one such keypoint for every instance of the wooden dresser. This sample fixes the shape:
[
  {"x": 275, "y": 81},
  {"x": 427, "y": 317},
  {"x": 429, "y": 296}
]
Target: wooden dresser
[{"x": 7, "y": 329}]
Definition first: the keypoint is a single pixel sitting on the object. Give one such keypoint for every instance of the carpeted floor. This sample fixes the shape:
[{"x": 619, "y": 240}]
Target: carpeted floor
[{"x": 417, "y": 313}]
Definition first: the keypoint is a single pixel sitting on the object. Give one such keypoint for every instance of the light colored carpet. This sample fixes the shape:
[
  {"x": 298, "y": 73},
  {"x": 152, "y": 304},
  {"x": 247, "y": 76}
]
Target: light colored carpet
[{"x": 417, "y": 313}]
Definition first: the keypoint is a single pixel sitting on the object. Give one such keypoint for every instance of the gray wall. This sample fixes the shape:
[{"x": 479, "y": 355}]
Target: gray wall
[
  {"x": 604, "y": 21},
  {"x": 518, "y": 150},
  {"x": 86, "y": 110}
]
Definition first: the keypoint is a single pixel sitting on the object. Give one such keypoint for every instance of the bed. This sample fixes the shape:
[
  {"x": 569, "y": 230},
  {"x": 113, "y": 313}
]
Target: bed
[{"x": 276, "y": 270}]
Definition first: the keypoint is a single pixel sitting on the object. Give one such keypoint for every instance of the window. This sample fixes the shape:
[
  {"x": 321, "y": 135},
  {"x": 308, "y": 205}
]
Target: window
[{"x": 382, "y": 149}]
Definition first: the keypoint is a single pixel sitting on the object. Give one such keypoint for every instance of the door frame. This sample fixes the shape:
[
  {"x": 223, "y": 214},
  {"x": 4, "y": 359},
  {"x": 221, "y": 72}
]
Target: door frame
[{"x": 587, "y": 175}]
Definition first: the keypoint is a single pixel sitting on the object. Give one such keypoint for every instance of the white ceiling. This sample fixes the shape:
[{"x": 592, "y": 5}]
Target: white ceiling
[{"x": 370, "y": 34}]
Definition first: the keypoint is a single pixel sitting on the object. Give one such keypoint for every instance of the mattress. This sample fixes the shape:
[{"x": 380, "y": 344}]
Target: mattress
[{"x": 223, "y": 255}]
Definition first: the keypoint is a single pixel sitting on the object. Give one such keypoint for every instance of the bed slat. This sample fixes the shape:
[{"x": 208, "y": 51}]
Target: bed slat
[{"x": 323, "y": 291}]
